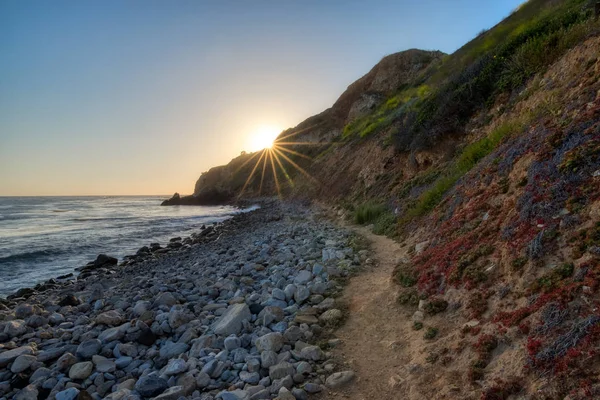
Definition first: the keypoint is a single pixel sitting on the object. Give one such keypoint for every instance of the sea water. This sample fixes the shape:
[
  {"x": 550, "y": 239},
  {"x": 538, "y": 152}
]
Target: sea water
[{"x": 44, "y": 237}]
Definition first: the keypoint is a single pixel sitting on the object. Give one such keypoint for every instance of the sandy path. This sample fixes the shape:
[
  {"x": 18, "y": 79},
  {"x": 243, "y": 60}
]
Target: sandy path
[{"x": 373, "y": 336}]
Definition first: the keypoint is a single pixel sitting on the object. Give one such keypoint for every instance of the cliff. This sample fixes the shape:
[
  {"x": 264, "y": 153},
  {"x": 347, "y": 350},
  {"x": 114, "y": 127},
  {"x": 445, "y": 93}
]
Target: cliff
[{"x": 388, "y": 76}]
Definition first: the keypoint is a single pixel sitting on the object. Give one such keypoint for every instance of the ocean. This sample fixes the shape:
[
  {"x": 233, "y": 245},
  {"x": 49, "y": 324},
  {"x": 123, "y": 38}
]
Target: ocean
[{"x": 45, "y": 237}]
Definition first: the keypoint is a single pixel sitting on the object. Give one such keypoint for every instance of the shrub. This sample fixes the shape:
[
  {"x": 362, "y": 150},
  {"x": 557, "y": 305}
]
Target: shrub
[
  {"x": 477, "y": 304},
  {"x": 368, "y": 213},
  {"x": 405, "y": 276},
  {"x": 436, "y": 306},
  {"x": 408, "y": 297},
  {"x": 552, "y": 279},
  {"x": 430, "y": 333},
  {"x": 518, "y": 263},
  {"x": 417, "y": 326},
  {"x": 485, "y": 345},
  {"x": 502, "y": 390},
  {"x": 385, "y": 224}
]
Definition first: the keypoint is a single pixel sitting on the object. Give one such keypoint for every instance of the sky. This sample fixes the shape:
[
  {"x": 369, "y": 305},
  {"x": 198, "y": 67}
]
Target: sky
[{"x": 119, "y": 97}]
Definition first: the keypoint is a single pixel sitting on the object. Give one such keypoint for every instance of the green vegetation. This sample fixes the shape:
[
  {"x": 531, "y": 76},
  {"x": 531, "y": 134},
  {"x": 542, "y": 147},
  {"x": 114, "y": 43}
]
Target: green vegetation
[
  {"x": 409, "y": 297},
  {"x": 430, "y": 333},
  {"x": 436, "y": 306},
  {"x": 518, "y": 263},
  {"x": 368, "y": 213},
  {"x": 383, "y": 220},
  {"x": 386, "y": 113},
  {"x": 476, "y": 151},
  {"x": 385, "y": 224},
  {"x": 430, "y": 198},
  {"x": 417, "y": 326},
  {"x": 466, "y": 160},
  {"x": 424, "y": 178},
  {"x": 552, "y": 279},
  {"x": 580, "y": 156},
  {"x": 405, "y": 276},
  {"x": 499, "y": 61}
]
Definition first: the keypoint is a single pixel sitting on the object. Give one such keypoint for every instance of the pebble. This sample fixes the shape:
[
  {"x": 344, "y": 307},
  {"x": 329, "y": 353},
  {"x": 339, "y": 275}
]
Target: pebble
[
  {"x": 81, "y": 370},
  {"x": 339, "y": 379},
  {"x": 22, "y": 363}
]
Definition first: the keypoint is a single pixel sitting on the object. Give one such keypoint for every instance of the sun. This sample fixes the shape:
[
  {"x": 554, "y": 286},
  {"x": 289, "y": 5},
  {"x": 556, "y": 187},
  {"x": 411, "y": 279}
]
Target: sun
[{"x": 263, "y": 137}]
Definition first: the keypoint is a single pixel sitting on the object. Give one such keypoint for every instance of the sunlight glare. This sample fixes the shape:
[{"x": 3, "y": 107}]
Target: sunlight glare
[{"x": 263, "y": 137}]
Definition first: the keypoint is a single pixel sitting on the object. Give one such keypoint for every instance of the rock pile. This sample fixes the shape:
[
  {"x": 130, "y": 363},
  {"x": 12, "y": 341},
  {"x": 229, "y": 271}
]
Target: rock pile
[{"x": 234, "y": 317}]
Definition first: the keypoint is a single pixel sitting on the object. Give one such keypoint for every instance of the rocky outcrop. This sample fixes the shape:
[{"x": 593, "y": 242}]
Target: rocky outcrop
[
  {"x": 209, "y": 197},
  {"x": 387, "y": 76},
  {"x": 223, "y": 183}
]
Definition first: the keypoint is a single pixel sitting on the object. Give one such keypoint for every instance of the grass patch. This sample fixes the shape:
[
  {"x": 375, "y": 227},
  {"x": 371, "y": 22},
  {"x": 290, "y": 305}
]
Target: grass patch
[
  {"x": 385, "y": 224},
  {"x": 466, "y": 160},
  {"x": 368, "y": 213},
  {"x": 386, "y": 113}
]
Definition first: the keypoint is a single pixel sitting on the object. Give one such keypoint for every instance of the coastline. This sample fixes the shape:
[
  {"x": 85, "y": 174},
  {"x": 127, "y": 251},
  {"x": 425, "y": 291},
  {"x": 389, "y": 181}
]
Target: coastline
[
  {"x": 112, "y": 255},
  {"x": 234, "y": 310}
]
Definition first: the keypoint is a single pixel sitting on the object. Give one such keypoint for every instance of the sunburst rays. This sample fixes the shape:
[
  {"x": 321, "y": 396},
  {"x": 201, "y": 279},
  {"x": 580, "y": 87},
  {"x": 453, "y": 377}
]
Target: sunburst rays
[{"x": 276, "y": 159}]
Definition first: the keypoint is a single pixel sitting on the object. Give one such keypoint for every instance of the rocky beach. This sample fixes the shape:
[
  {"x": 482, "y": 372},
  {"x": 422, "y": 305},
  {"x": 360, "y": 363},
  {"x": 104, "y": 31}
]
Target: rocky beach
[{"x": 242, "y": 309}]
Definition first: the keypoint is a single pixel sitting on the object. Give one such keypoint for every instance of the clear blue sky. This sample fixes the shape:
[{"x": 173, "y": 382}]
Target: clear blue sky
[{"x": 140, "y": 97}]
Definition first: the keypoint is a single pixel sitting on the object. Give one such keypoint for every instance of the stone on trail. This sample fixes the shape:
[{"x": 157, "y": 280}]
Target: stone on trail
[
  {"x": 234, "y": 395},
  {"x": 172, "y": 350},
  {"x": 40, "y": 373},
  {"x": 25, "y": 310},
  {"x": 313, "y": 353},
  {"x": 281, "y": 370},
  {"x": 339, "y": 379},
  {"x": 103, "y": 364},
  {"x": 81, "y": 370},
  {"x": 16, "y": 327},
  {"x": 29, "y": 392},
  {"x": 22, "y": 363},
  {"x": 303, "y": 277},
  {"x": 151, "y": 385},
  {"x": 172, "y": 393},
  {"x": 285, "y": 394},
  {"x": 110, "y": 318},
  {"x": 65, "y": 361},
  {"x": 331, "y": 317},
  {"x": 231, "y": 321},
  {"x": 176, "y": 367},
  {"x": 8, "y": 356},
  {"x": 165, "y": 299},
  {"x": 270, "y": 342},
  {"x": 69, "y": 394},
  {"x": 111, "y": 334},
  {"x": 88, "y": 349}
]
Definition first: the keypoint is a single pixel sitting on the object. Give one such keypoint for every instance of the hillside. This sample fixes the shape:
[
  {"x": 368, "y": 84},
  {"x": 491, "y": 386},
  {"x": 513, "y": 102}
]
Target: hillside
[{"x": 485, "y": 164}]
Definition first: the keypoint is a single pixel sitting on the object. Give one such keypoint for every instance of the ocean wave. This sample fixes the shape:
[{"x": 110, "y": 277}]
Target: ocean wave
[
  {"x": 31, "y": 255},
  {"x": 98, "y": 219}
]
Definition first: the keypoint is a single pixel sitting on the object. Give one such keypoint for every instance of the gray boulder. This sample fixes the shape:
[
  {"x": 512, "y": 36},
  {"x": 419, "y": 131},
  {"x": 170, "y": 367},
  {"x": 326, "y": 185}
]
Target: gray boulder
[{"x": 231, "y": 321}]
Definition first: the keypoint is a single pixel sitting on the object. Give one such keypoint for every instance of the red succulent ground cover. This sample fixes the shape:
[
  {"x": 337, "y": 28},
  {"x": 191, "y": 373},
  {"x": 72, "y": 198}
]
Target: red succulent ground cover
[{"x": 535, "y": 222}]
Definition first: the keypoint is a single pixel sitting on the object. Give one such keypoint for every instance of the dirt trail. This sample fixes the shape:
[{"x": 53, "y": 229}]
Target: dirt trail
[{"x": 374, "y": 336}]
